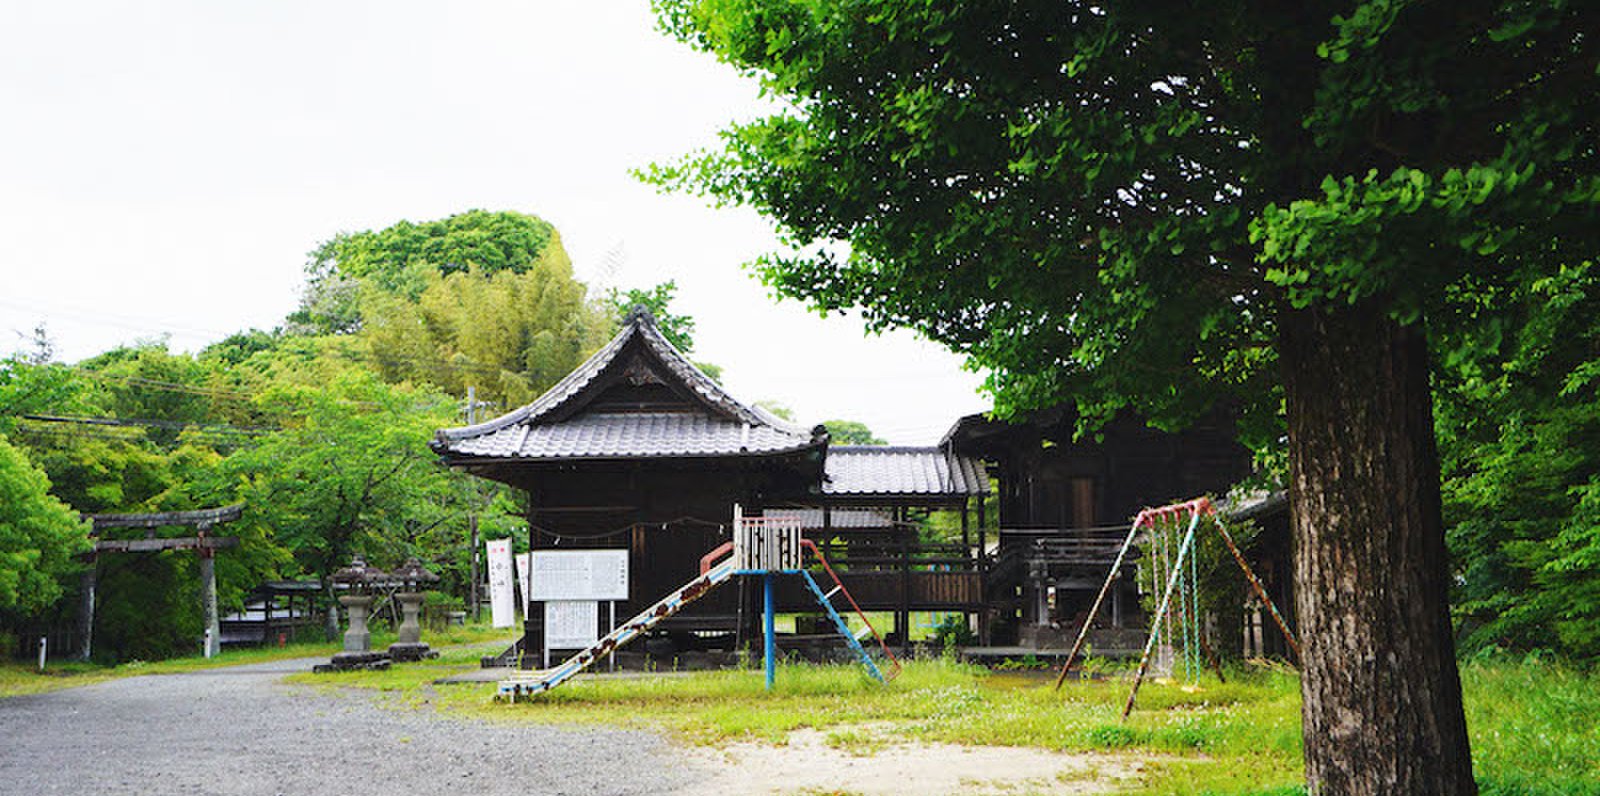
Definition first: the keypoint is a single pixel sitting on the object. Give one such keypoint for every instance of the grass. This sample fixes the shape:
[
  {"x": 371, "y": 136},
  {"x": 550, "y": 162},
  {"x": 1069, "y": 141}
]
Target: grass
[
  {"x": 1535, "y": 729},
  {"x": 17, "y": 679}
]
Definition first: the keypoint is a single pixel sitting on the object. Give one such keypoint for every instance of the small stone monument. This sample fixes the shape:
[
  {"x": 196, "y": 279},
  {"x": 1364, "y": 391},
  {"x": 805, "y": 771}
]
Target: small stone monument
[
  {"x": 357, "y": 601},
  {"x": 410, "y": 578}
]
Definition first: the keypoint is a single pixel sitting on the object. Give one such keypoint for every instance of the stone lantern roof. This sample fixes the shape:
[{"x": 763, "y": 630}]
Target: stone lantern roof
[
  {"x": 358, "y": 575},
  {"x": 412, "y": 575}
]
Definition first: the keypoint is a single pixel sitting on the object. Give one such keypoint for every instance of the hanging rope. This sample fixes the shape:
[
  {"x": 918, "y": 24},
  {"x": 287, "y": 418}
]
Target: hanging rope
[
  {"x": 1191, "y": 618},
  {"x": 629, "y": 528},
  {"x": 1175, "y": 628}
]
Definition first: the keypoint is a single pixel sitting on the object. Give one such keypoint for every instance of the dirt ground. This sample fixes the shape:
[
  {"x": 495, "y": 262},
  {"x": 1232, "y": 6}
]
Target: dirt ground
[{"x": 860, "y": 761}]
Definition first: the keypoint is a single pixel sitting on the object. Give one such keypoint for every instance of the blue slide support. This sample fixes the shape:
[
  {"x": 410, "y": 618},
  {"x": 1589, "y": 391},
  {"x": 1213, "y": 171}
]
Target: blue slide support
[{"x": 769, "y": 626}]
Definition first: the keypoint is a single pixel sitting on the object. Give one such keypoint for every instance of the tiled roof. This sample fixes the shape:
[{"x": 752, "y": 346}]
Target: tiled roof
[
  {"x": 545, "y": 429},
  {"x": 1254, "y": 505},
  {"x": 883, "y": 470},
  {"x": 837, "y": 518},
  {"x": 618, "y": 435}
]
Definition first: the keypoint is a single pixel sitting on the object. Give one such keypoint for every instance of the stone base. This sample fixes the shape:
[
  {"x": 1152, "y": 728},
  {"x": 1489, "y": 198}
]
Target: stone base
[
  {"x": 353, "y": 661},
  {"x": 415, "y": 651}
]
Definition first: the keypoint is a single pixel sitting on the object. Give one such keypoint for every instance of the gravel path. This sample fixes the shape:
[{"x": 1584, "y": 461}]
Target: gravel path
[{"x": 239, "y": 732}]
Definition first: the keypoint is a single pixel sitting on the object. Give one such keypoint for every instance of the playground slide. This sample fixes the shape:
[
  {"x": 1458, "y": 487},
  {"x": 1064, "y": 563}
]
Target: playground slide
[
  {"x": 537, "y": 682},
  {"x": 531, "y": 683}
]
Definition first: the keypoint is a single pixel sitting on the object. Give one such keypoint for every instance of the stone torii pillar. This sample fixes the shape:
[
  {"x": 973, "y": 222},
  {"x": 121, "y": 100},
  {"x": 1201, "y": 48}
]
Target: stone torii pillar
[
  {"x": 208, "y": 593},
  {"x": 86, "y": 586}
]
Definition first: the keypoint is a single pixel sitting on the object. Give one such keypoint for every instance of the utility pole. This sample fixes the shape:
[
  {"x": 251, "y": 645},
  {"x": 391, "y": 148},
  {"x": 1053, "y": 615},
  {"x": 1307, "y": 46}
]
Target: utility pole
[{"x": 472, "y": 516}]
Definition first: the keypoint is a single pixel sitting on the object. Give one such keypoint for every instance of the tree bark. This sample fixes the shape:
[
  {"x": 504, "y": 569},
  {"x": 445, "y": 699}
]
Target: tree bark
[{"x": 1382, "y": 694}]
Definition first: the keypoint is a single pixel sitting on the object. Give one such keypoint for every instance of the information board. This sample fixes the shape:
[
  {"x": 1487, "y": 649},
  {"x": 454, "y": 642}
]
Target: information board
[
  {"x": 580, "y": 575},
  {"x": 571, "y": 624}
]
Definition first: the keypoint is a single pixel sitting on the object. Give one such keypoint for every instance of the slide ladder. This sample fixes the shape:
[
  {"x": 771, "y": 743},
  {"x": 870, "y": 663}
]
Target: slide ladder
[
  {"x": 531, "y": 683},
  {"x": 826, "y": 599}
]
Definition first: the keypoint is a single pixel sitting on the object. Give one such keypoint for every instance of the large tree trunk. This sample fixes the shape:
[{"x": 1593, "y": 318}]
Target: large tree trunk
[{"x": 1382, "y": 694}]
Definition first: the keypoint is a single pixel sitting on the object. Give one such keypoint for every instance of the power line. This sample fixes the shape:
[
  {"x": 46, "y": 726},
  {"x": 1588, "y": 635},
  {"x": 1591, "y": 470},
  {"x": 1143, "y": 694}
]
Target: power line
[
  {"x": 147, "y": 423},
  {"x": 111, "y": 434},
  {"x": 167, "y": 386}
]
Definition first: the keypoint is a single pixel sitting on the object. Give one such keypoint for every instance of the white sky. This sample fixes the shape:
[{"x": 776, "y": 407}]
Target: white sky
[{"x": 165, "y": 166}]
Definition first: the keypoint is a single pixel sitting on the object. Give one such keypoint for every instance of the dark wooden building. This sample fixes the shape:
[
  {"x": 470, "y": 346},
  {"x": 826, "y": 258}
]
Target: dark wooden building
[
  {"x": 1065, "y": 506},
  {"x": 638, "y": 449}
]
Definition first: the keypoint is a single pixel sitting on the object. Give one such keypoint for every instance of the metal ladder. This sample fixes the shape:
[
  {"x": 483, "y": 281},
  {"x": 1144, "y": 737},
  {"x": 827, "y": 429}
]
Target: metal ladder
[{"x": 826, "y": 599}]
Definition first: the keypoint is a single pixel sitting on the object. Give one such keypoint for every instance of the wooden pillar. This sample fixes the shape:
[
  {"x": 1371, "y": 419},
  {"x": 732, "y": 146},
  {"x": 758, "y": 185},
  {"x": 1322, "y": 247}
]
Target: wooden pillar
[
  {"x": 472, "y": 575},
  {"x": 903, "y": 620},
  {"x": 532, "y": 642},
  {"x": 987, "y": 613},
  {"x": 266, "y": 616},
  {"x": 86, "y": 587},
  {"x": 1116, "y": 603},
  {"x": 983, "y": 525}
]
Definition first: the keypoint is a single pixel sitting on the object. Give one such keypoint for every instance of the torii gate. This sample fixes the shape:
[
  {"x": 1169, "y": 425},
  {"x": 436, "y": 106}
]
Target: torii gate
[{"x": 202, "y": 521}]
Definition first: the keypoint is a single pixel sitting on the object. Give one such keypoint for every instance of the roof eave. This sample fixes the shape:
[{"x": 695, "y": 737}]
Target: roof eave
[{"x": 458, "y": 459}]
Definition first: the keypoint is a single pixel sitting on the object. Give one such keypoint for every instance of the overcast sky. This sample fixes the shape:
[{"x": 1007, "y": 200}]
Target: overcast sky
[{"x": 167, "y": 165}]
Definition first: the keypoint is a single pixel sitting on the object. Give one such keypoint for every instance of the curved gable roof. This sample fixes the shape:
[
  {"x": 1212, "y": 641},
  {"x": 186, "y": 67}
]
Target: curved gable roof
[{"x": 555, "y": 426}]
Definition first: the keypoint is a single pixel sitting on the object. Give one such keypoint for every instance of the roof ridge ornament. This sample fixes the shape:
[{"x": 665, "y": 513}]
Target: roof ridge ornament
[{"x": 639, "y": 313}]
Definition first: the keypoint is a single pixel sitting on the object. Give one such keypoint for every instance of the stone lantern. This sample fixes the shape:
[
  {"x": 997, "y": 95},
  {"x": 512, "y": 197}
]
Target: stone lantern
[
  {"x": 411, "y": 578},
  {"x": 357, "y": 602}
]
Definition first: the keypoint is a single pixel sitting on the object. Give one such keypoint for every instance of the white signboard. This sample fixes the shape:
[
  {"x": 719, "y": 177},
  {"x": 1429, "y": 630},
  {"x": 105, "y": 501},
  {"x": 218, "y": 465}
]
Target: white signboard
[
  {"x": 502, "y": 601},
  {"x": 580, "y": 575},
  {"x": 524, "y": 581},
  {"x": 571, "y": 624}
]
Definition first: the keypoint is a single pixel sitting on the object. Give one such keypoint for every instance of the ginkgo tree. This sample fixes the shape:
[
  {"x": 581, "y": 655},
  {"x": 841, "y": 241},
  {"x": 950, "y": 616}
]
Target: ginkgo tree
[{"x": 1153, "y": 206}]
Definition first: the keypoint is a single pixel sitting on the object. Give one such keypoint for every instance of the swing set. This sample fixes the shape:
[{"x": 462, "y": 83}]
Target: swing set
[{"x": 1172, "y": 531}]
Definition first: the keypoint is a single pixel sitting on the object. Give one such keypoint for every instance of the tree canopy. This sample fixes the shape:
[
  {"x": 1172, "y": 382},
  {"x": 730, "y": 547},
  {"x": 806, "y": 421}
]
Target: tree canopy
[
  {"x": 349, "y": 473},
  {"x": 480, "y": 299},
  {"x": 39, "y": 535},
  {"x": 512, "y": 335},
  {"x": 1111, "y": 203},
  {"x": 397, "y": 258},
  {"x": 1151, "y": 206},
  {"x": 851, "y": 432},
  {"x": 1519, "y": 420}
]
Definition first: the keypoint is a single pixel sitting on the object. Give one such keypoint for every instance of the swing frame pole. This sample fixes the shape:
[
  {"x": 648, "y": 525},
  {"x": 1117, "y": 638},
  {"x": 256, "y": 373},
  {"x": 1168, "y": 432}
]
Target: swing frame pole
[{"x": 1261, "y": 591}]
